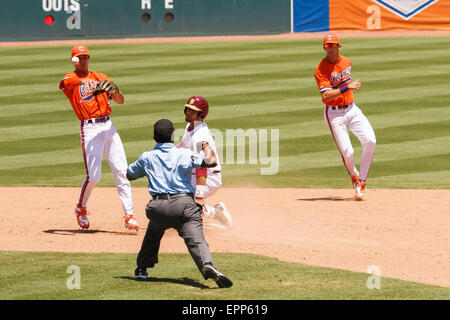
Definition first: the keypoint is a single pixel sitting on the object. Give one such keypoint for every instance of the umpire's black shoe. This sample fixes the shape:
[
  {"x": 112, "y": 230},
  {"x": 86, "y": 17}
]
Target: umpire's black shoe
[
  {"x": 140, "y": 274},
  {"x": 209, "y": 272}
]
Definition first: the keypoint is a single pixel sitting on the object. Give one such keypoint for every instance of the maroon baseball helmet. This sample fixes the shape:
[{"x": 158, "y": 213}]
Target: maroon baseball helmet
[{"x": 198, "y": 103}]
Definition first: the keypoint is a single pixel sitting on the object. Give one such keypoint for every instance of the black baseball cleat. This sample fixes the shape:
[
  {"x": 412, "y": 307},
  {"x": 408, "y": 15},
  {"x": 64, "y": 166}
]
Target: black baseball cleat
[
  {"x": 209, "y": 272},
  {"x": 140, "y": 274}
]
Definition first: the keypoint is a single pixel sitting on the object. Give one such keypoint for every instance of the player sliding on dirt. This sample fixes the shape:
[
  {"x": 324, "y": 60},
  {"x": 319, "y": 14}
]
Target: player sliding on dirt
[{"x": 206, "y": 181}]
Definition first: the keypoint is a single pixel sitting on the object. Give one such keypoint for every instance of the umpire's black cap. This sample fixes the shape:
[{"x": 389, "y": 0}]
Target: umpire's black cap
[{"x": 163, "y": 131}]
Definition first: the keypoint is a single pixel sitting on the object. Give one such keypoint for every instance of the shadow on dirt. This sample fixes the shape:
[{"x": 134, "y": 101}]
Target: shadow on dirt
[
  {"x": 327, "y": 199},
  {"x": 70, "y": 232}
]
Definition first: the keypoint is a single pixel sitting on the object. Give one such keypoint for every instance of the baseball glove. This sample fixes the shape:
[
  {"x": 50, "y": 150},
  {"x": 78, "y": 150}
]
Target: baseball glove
[{"x": 106, "y": 86}]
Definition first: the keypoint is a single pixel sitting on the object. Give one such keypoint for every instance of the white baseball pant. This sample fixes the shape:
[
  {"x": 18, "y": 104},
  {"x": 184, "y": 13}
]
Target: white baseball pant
[
  {"x": 339, "y": 121},
  {"x": 98, "y": 139}
]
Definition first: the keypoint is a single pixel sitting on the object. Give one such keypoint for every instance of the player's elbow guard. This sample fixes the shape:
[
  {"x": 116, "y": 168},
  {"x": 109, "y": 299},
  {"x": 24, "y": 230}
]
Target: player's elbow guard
[
  {"x": 209, "y": 157},
  {"x": 209, "y": 162}
]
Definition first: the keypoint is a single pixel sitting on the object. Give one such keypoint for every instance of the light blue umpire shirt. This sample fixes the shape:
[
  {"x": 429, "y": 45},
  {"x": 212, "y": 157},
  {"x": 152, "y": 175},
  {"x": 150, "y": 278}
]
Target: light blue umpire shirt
[{"x": 167, "y": 168}]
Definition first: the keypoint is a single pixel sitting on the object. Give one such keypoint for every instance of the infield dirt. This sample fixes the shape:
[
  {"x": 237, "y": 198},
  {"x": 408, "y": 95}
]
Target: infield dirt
[{"x": 405, "y": 233}]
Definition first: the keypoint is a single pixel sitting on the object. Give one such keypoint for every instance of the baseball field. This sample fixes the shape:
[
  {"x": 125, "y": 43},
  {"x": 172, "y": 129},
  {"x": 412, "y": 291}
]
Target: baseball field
[{"x": 297, "y": 232}]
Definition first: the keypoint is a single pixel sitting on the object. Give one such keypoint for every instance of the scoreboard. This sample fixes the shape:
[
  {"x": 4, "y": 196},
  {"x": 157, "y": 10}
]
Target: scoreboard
[{"x": 76, "y": 19}]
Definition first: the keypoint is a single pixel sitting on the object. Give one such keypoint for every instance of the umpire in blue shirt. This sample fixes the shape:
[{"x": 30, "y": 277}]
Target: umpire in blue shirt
[{"x": 169, "y": 171}]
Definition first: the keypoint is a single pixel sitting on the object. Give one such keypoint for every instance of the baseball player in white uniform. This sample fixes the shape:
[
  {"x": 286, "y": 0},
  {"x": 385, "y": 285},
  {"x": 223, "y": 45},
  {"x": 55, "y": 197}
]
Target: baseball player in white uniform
[
  {"x": 333, "y": 77},
  {"x": 206, "y": 181}
]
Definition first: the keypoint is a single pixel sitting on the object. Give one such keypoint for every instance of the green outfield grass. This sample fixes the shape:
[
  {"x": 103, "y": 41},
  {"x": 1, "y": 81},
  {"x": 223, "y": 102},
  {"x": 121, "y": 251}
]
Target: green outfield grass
[
  {"x": 44, "y": 276},
  {"x": 250, "y": 85}
]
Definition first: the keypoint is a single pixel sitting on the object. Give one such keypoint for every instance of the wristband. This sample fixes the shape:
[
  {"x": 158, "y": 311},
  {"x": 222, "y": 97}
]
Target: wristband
[
  {"x": 201, "y": 172},
  {"x": 200, "y": 191},
  {"x": 343, "y": 89}
]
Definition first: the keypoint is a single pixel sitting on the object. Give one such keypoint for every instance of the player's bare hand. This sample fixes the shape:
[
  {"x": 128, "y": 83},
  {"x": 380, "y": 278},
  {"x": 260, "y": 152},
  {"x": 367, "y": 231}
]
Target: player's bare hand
[{"x": 356, "y": 85}]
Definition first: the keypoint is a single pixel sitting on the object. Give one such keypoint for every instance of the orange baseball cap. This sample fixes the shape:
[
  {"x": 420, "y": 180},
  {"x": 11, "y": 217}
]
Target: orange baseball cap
[
  {"x": 80, "y": 50},
  {"x": 331, "y": 38}
]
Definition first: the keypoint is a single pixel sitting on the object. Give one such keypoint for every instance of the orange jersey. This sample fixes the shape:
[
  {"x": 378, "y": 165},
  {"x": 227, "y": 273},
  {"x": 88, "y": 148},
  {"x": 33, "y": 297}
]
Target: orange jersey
[
  {"x": 331, "y": 76},
  {"x": 79, "y": 92}
]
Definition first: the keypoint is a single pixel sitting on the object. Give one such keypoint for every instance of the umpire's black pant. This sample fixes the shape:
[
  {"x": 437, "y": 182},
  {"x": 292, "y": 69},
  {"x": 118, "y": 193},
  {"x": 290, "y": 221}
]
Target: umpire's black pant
[{"x": 182, "y": 213}]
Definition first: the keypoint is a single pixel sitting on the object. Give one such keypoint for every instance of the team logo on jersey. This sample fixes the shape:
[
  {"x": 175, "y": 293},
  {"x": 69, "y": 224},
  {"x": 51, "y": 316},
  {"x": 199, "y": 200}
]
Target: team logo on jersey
[
  {"x": 338, "y": 78},
  {"x": 88, "y": 98},
  {"x": 86, "y": 87},
  {"x": 405, "y": 9}
]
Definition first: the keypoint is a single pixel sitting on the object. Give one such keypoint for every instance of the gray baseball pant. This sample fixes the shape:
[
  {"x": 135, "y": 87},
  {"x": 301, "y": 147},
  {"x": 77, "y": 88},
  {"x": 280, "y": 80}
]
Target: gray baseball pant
[{"x": 183, "y": 214}]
